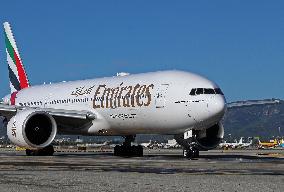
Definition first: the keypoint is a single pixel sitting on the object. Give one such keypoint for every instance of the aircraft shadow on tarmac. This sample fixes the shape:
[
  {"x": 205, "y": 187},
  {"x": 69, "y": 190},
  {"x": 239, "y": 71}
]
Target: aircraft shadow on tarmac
[
  {"x": 184, "y": 166},
  {"x": 238, "y": 156},
  {"x": 223, "y": 157},
  {"x": 224, "y": 164}
]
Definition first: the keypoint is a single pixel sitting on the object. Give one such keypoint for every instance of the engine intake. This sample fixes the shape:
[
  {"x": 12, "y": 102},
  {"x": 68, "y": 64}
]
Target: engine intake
[
  {"x": 31, "y": 128},
  {"x": 205, "y": 139},
  {"x": 209, "y": 138}
]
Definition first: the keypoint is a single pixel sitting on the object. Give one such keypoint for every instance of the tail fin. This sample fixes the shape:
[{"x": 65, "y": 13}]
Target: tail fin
[
  {"x": 241, "y": 140},
  {"x": 17, "y": 75}
]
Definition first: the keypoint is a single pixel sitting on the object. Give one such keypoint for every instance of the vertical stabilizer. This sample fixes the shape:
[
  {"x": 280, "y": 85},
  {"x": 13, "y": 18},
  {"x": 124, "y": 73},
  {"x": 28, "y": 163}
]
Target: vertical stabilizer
[{"x": 17, "y": 75}]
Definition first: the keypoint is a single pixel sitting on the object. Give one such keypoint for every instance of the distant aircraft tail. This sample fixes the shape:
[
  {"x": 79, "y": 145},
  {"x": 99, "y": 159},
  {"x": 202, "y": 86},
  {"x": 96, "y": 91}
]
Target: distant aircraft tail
[
  {"x": 17, "y": 75},
  {"x": 241, "y": 140}
]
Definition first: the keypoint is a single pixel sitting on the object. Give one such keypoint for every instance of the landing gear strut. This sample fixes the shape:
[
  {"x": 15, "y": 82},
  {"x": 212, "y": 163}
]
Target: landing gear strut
[
  {"x": 47, "y": 151},
  {"x": 127, "y": 150},
  {"x": 188, "y": 141},
  {"x": 191, "y": 152}
]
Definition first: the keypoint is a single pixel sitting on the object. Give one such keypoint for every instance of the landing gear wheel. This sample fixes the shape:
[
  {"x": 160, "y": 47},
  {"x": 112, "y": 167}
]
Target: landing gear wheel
[
  {"x": 191, "y": 153},
  {"x": 47, "y": 151},
  {"x": 126, "y": 150}
]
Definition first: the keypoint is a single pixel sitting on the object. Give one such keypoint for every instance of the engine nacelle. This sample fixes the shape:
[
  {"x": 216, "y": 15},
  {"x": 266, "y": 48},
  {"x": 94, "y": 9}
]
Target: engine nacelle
[
  {"x": 203, "y": 139},
  {"x": 209, "y": 138},
  {"x": 31, "y": 128}
]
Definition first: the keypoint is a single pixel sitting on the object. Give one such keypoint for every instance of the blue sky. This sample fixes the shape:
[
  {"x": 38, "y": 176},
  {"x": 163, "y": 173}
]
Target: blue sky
[{"x": 237, "y": 44}]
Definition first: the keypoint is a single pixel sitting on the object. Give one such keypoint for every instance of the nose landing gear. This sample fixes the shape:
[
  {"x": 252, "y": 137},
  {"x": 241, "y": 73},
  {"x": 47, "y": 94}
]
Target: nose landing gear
[
  {"x": 190, "y": 148},
  {"x": 126, "y": 150},
  {"x": 191, "y": 152}
]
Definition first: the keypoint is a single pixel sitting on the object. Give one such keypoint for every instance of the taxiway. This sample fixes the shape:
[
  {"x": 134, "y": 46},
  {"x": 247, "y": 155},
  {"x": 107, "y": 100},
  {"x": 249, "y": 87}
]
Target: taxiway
[{"x": 158, "y": 170}]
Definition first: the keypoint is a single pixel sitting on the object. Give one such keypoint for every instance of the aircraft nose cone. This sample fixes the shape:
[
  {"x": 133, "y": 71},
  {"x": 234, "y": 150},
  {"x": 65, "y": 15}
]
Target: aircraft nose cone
[{"x": 219, "y": 106}]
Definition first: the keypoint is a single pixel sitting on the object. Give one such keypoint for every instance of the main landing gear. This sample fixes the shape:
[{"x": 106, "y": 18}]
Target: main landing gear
[
  {"x": 126, "y": 150},
  {"x": 191, "y": 152},
  {"x": 47, "y": 151}
]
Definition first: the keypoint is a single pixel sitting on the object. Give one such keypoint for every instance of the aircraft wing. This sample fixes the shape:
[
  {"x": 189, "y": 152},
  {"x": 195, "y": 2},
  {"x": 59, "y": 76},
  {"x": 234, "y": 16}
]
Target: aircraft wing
[
  {"x": 8, "y": 111},
  {"x": 68, "y": 121},
  {"x": 11, "y": 110},
  {"x": 70, "y": 113}
]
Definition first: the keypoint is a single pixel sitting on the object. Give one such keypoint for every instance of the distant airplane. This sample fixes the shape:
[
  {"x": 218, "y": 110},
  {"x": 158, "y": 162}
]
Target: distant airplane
[
  {"x": 172, "y": 143},
  {"x": 245, "y": 145},
  {"x": 223, "y": 144},
  {"x": 270, "y": 144},
  {"x": 232, "y": 145},
  {"x": 147, "y": 145},
  {"x": 178, "y": 103},
  {"x": 96, "y": 145},
  {"x": 281, "y": 143}
]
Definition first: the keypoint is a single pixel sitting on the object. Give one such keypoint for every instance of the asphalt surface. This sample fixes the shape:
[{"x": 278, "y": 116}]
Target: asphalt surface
[{"x": 158, "y": 170}]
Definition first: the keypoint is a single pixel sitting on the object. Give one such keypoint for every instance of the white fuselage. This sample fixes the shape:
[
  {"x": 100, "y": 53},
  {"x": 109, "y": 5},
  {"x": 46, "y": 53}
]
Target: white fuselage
[{"x": 147, "y": 103}]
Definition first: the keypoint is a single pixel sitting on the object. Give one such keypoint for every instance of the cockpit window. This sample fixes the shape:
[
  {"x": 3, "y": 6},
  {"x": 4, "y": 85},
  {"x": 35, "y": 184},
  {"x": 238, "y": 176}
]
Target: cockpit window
[
  {"x": 209, "y": 91},
  {"x": 206, "y": 91},
  {"x": 192, "y": 92},
  {"x": 199, "y": 91},
  {"x": 219, "y": 91}
]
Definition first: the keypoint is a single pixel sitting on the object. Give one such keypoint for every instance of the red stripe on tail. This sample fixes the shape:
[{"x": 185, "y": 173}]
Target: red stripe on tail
[{"x": 21, "y": 72}]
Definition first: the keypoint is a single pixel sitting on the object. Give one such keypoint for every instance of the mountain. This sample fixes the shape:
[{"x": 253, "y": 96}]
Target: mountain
[{"x": 261, "y": 118}]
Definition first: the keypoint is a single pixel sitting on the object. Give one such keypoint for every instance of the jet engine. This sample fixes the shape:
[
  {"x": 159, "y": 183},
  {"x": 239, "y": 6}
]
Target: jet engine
[
  {"x": 203, "y": 139},
  {"x": 209, "y": 138},
  {"x": 32, "y": 129}
]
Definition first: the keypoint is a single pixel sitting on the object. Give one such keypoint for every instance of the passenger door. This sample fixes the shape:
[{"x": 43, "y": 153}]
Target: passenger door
[{"x": 160, "y": 101}]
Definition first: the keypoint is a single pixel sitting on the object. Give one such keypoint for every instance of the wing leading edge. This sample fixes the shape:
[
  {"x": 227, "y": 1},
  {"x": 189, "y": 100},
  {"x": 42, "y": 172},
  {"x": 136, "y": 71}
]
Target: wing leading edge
[{"x": 9, "y": 111}]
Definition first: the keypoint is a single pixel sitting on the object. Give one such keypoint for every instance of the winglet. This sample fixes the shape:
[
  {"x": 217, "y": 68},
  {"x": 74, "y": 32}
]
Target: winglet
[{"x": 17, "y": 75}]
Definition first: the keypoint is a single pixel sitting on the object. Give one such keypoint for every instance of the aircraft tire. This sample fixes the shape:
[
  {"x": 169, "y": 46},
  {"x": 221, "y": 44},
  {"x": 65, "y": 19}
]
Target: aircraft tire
[
  {"x": 128, "y": 151},
  {"x": 191, "y": 153},
  {"x": 47, "y": 151}
]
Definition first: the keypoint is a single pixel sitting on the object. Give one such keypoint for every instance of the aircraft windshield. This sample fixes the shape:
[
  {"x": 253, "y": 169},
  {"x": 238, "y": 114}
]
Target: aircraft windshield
[{"x": 206, "y": 91}]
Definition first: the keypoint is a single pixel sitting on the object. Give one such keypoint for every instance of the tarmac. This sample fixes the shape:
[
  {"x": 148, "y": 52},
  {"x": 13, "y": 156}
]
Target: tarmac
[{"x": 158, "y": 170}]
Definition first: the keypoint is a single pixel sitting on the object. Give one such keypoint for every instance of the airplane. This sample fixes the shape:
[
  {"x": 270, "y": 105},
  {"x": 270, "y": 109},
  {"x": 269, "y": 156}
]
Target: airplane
[
  {"x": 172, "y": 102},
  {"x": 172, "y": 143},
  {"x": 281, "y": 143},
  {"x": 270, "y": 144},
  {"x": 232, "y": 145},
  {"x": 223, "y": 144},
  {"x": 147, "y": 145},
  {"x": 245, "y": 145},
  {"x": 97, "y": 145},
  {"x": 151, "y": 145}
]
